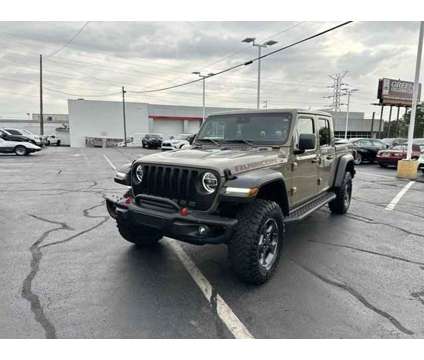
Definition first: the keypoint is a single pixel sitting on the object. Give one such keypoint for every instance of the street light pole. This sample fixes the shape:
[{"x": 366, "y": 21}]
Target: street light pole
[
  {"x": 259, "y": 46},
  {"x": 348, "y": 92},
  {"x": 124, "y": 117},
  {"x": 415, "y": 93},
  {"x": 41, "y": 97},
  {"x": 204, "y": 91}
]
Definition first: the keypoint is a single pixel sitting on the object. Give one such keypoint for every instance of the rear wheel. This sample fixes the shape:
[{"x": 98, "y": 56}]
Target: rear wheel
[
  {"x": 138, "y": 235},
  {"x": 383, "y": 165},
  {"x": 21, "y": 150},
  {"x": 341, "y": 203},
  {"x": 256, "y": 245},
  {"x": 58, "y": 143}
]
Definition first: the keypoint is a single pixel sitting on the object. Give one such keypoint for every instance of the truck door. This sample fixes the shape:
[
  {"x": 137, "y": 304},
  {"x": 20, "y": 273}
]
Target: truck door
[
  {"x": 304, "y": 166},
  {"x": 326, "y": 153}
]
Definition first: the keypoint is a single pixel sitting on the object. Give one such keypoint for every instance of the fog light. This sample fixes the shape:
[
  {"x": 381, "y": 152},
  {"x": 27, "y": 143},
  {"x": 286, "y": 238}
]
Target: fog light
[{"x": 203, "y": 230}]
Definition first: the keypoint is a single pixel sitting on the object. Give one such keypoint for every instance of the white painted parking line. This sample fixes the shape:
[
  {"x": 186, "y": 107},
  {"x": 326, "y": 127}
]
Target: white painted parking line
[
  {"x": 376, "y": 175},
  {"x": 224, "y": 312},
  {"x": 227, "y": 316},
  {"x": 109, "y": 162},
  {"x": 396, "y": 199}
]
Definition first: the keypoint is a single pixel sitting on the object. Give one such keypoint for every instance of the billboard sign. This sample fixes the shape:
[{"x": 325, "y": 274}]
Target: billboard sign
[{"x": 396, "y": 92}]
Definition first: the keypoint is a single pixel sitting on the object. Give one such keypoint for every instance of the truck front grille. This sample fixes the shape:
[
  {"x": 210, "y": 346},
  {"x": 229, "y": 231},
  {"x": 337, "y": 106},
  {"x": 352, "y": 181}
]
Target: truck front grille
[{"x": 175, "y": 183}]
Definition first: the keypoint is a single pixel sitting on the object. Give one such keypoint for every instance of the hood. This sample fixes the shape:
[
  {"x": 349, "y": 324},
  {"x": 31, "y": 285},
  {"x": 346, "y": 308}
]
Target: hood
[{"x": 236, "y": 160}]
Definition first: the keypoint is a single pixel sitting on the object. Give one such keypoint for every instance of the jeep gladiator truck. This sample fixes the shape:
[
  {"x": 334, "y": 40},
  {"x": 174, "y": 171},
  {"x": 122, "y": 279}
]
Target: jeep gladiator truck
[{"x": 246, "y": 175}]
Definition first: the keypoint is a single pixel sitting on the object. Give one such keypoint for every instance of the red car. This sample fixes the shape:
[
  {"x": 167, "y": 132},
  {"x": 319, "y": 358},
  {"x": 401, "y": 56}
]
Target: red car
[{"x": 390, "y": 157}]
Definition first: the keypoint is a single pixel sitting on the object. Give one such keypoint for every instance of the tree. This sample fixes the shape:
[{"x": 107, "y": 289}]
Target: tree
[{"x": 419, "y": 121}]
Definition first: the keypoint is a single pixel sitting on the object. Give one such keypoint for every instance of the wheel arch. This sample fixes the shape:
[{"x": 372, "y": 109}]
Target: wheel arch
[
  {"x": 271, "y": 185},
  {"x": 345, "y": 164}
]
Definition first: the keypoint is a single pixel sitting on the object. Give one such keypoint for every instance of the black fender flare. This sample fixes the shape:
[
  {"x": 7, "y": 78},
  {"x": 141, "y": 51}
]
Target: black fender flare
[
  {"x": 344, "y": 164},
  {"x": 263, "y": 179}
]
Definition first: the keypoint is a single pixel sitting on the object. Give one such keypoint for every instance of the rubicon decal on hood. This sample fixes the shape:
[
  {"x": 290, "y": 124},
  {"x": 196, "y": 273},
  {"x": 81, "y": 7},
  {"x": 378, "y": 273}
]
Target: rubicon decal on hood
[{"x": 258, "y": 164}]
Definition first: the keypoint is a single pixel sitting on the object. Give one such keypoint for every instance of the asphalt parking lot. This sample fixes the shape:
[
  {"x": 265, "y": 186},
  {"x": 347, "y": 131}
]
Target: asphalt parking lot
[{"x": 66, "y": 272}]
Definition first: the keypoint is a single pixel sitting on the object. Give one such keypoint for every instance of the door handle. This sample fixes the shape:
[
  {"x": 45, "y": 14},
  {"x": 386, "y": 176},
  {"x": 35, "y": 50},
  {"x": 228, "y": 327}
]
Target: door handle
[{"x": 329, "y": 157}]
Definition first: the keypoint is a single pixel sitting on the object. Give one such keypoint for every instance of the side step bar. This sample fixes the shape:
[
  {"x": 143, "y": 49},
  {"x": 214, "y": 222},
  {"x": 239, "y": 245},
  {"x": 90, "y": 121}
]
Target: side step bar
[{"x": 309, "y": 207}]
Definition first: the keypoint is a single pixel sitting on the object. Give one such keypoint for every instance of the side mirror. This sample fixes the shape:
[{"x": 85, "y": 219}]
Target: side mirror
[{"x": 306, "y": 142}]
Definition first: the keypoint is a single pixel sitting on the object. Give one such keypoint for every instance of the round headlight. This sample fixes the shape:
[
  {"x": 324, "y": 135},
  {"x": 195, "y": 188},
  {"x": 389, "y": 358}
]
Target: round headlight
[
  {"x": 209, "y": 182},
  {"x": 139, "y": 173}
]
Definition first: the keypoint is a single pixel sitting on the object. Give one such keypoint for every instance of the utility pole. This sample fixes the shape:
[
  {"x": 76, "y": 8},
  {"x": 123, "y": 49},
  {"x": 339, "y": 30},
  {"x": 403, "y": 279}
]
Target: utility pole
[
  {"x": 123, "y": 116},
  {"x": 259, "y": 46},
  {"x": 41, "y": 97},
  {"x": 415, "y": 92}
]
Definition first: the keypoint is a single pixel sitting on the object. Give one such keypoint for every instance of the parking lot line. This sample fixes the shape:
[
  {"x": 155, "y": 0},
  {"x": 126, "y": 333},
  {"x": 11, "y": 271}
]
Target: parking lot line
[
  {"x": 396, "y": 199},
  {"x": 222, "y": 310},
  {"x": 110, "y": 162}
]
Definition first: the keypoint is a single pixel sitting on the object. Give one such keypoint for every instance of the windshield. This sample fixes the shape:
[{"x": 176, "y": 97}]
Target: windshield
[
  {"x": 13, "y": 132},
  {"x": 260, "y": 129}
]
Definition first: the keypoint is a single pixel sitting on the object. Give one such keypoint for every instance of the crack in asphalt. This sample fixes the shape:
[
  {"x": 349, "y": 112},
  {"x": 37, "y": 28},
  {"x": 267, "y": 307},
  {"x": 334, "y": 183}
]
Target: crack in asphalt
[
  {"x": 27, "y": 293},
  {"x": 35, "y": 249},
  {"x": 374, "y": 222},
  {"x": 358, "y": 296},
  {"x": 419, "y": 295},
  {"x": 393, "y": 257}
]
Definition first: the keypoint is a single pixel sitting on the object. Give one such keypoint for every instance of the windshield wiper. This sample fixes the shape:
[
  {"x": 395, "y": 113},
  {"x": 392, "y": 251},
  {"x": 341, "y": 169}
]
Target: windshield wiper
[{"x": 243, "y": 141}]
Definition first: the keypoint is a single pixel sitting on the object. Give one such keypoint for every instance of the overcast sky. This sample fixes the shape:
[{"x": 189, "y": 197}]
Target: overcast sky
[{"x": 148, "y": 55}]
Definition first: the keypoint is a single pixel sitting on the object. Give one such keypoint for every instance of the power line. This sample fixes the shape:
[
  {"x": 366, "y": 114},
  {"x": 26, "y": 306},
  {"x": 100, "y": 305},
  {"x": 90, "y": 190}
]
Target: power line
[
  {"x": 69, "y": 41},
  {"x": 247, "y": 62},
  {"x": 82, "y": 95}
]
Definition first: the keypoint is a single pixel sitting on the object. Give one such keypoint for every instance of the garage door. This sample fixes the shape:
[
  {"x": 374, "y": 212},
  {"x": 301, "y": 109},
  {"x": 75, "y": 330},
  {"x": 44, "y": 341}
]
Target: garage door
[{"x": 168, "y": 127}]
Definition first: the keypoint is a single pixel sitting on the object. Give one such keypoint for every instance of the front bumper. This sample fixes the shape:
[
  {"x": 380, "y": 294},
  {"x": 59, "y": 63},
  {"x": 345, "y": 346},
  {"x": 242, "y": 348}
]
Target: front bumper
[{"x": 164, "y": 215}]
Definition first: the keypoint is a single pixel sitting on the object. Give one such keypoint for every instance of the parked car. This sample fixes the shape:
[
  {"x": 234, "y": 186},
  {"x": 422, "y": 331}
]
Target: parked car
[
  {"x": 15, "y": 135},
  {"x": 52, "y": 140},
  {"x": 366, "y": 149},
  {"x": 246, "y": 175},
  {"x": 394, "y": 141},
  {"x": 177, "y": 142},
  {"x": 152, "y": 141},
  {"x": 390, "y": 157},
  {"x": 421, "y": 161},
  {"x": 20, "y": 148}
]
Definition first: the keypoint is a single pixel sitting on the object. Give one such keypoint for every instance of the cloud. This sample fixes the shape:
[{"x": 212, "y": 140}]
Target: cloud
[{"x": 145, "y": 55}]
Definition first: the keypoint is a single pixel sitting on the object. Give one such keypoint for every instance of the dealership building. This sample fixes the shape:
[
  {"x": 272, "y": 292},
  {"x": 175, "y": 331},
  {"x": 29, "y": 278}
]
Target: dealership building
[
  {"x": 104, "y": 119},
  {"x": 89, "y": 119}
]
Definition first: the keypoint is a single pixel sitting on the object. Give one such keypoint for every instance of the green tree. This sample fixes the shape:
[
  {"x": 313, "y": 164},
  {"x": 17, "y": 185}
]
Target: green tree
[{"x": 419, "y": 122}]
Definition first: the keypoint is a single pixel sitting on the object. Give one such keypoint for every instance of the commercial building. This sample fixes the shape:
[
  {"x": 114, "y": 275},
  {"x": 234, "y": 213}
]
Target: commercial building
[
  {"x": 92, "y": 119},
  {"x": 358, "y": 125},
  {"x": 104, "y": 119}
]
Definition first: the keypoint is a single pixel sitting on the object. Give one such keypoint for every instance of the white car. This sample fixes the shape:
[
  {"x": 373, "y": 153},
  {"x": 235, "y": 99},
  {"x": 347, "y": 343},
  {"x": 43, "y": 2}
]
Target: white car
[
  {"x": 177, "y": 142},
  {"x": 20, "y": 148},
  {"x": 52, "y": 140},
  {"x": 37, "y": 139}
]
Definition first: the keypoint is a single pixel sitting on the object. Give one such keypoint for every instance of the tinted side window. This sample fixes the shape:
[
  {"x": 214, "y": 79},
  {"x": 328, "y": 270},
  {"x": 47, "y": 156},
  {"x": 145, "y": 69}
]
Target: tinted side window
[
  {"x": 324, "y": 132},
  {"x": 13, "y": 132}
]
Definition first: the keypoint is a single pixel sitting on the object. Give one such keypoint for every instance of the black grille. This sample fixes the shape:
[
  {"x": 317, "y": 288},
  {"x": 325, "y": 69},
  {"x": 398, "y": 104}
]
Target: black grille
[{"x": 178, "y": 184}]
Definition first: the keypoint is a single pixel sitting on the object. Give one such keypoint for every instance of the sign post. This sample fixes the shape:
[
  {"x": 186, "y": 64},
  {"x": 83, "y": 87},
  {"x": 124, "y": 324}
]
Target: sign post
[{"x": 408, "y": 168}]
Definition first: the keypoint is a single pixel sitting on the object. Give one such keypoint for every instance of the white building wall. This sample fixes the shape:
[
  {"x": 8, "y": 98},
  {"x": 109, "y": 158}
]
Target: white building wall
[{"x": 104, "y": 119}]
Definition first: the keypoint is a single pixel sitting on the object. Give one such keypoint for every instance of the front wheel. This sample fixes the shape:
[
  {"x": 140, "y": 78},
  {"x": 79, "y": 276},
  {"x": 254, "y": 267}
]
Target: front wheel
[
  {"x": 341, "y": 203},
  {"x": 21, "y": 150},
  {"x": 256, "y": 245},
  {"x": 138, "y": 235},
  {"x": 358, "y": 159}
]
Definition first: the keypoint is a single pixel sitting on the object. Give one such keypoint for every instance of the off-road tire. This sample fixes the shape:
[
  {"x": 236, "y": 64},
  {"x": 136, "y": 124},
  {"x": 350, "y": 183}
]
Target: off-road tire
[
  {"x": 341, "y": 203},
  {"x": 244, "y": 248},
  {"x": 141, "y": 236},
  {"x": 383, "y": 165},
  {"x": 21, "y": 150}
]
